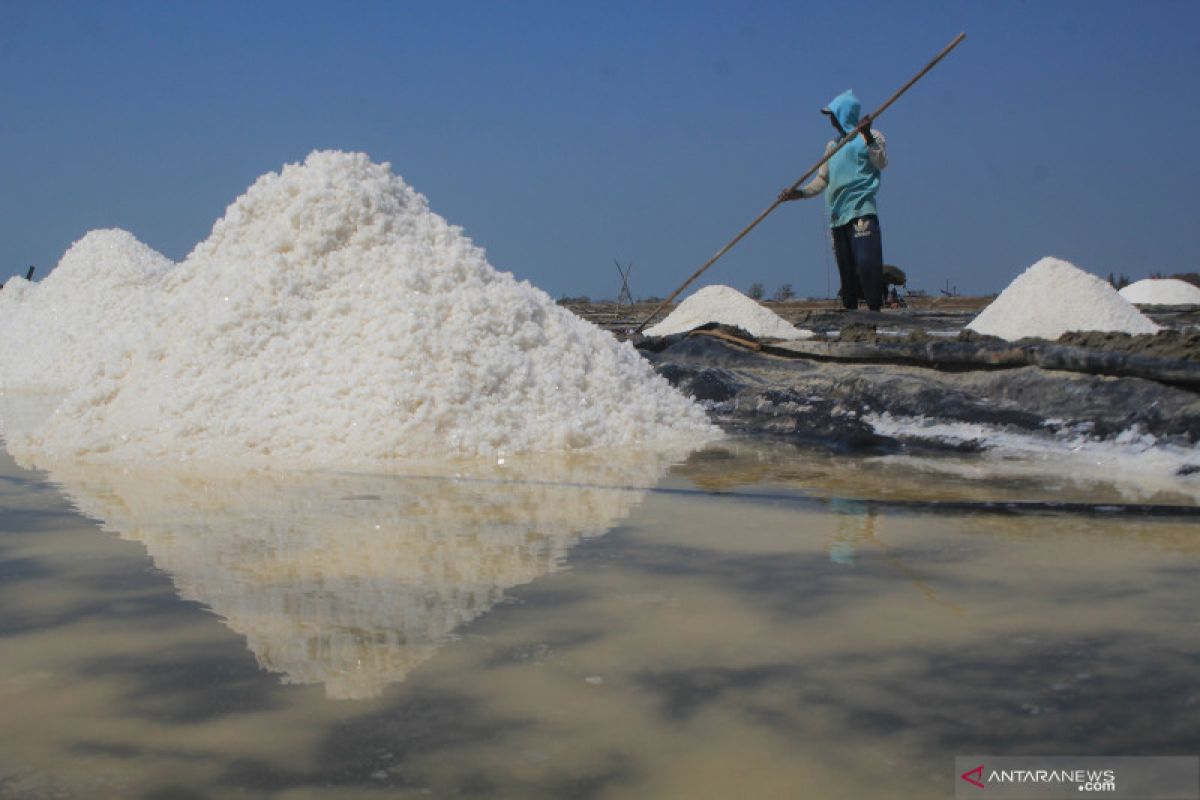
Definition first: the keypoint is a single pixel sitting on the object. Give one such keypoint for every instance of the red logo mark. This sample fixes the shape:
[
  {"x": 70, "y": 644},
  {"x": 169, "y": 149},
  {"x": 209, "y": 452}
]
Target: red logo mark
[{"x": 977, "y": 780}]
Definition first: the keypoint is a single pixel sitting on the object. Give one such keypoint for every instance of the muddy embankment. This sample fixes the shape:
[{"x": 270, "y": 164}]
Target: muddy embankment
[{"x": 846, "y": 387}]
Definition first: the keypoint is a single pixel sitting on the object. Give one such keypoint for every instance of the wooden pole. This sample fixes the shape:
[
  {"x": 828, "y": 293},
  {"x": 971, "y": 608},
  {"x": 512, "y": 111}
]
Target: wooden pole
[{"x": 849, "y": 137}]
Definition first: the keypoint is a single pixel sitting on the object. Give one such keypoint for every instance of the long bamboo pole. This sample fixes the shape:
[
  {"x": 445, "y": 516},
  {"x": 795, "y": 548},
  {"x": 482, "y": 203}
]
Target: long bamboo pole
[{"x": 849, "y": 137}]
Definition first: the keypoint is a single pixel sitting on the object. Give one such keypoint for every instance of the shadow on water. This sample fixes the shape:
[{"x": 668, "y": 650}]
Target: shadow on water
[
  {"x": 13, "y": 569},
  {"x": 357, "y": 752},
  {"x": 97, "y": 593},
  {"x": 27, "y": 520},
  {"x": 149, "y": 612},
  {"x": 552, "y": 641},
  {"x": 1090, "y": 695},
  {"x": 186, "y": 685},
  {"x": 392, "y": 749}
]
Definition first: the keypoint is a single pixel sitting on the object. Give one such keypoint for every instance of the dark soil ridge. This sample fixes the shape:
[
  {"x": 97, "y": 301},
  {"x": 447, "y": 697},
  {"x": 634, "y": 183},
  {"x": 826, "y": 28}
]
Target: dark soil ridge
[
  {"x": 1166, "y": 344},
  {"x": 1169, "y": 356},
  {"x": 825, "y": 400}
]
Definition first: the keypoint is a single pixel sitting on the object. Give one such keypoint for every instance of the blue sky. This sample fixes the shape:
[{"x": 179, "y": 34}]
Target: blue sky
[{"x": 562, "y": 136}]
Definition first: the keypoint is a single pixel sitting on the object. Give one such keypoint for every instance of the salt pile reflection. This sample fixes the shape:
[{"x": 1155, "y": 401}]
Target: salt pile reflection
[{"x": 353, "y": 581}]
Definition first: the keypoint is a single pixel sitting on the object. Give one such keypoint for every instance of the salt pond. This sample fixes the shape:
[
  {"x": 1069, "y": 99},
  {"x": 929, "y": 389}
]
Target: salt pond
[{"x": 753, "y": 621}]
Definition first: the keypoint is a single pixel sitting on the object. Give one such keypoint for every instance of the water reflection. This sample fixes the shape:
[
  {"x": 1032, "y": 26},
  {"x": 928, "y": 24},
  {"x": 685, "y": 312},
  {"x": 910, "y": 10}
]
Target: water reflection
[
  {"x": 854, "y": 535},
  {"x": 771, "y": 642},
  {"x": 352, "y": 581},
  {"x": 978, "y": 477}
]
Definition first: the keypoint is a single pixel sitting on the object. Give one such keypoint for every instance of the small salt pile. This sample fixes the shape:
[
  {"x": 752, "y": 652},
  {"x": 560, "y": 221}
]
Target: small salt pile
[
  {"x": 92, "y": 307},
  {"x": 332, "y": 319},
  {"x": 1053, "y": 297},
  {"x": 727, "y": 306},
  {"x": 1162, "y": 292}
]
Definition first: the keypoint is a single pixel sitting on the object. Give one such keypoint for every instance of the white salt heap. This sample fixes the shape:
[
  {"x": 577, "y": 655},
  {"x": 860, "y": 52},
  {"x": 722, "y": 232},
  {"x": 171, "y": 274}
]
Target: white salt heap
[
  {"x": 92, "y": 307},
  {"x": 727, "y": 306},
  {"x": 1053, "y": 297},
  {"x": 332, "y": 319},
  {"x": 1162, "y": 292}
]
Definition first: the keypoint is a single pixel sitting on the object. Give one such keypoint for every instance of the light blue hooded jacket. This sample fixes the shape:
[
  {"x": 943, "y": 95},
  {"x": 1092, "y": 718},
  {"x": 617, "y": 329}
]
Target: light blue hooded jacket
[{"x": 851, "y": 178}]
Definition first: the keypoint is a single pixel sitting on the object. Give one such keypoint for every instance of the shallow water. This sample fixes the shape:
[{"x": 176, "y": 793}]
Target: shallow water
[{"x": 752, "y": 622}]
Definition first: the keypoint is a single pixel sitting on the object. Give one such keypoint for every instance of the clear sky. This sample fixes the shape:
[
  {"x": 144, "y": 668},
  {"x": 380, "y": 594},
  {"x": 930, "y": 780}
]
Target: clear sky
[{"x": 564, "y": 135}]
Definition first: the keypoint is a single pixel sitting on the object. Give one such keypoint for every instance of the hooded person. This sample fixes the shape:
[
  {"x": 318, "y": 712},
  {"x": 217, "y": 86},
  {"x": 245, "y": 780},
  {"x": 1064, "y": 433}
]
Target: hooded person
[{"x": 850, "y": 181}]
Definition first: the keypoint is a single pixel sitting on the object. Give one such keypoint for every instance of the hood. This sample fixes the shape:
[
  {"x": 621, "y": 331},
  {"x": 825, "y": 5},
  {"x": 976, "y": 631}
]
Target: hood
[{"x": 846, "y": 109}]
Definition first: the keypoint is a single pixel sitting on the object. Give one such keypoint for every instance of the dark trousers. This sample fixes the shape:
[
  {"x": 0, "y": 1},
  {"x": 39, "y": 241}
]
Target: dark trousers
[{"x": 858, "y": 248}]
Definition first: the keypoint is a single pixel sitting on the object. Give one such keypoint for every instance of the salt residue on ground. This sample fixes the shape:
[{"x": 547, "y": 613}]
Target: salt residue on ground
[
  {"x": 1138, "y": 464},
  {"x": 93, "y": 307},
  {"x": 332, "y": 319},
  {"x": 727, "y": 306},
  {"x": 1162, "y": 292},
  {"x": 1053, "y": 297}
]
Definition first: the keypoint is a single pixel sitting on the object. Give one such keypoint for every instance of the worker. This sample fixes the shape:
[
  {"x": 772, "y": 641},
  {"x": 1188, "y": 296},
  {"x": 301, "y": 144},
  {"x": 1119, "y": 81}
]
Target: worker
[{"x": 850, "y": 181}]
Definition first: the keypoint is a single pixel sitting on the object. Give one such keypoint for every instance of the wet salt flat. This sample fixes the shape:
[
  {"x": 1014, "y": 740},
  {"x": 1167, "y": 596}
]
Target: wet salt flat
[{"x": 752, "y": 621}]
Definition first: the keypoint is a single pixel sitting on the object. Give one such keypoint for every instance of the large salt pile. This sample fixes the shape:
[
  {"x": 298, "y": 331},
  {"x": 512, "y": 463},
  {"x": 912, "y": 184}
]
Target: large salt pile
[
  {"x": 91, "y": 308},
  {"x": 1162, "y": 292},
  {"x": 727, "y": 306},
  {"x": 1053, "y": 297},
  {"x": 331, "y": 318}
]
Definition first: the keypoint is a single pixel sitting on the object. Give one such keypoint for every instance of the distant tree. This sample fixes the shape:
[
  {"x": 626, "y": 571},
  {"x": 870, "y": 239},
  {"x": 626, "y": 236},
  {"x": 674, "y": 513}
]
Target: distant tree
[
  {"x": 1122, "y": 281},
  {"x": 783, "y": 293},
  {"x": 1112, "y": 281},
  {"x": 757, "y": 291}
]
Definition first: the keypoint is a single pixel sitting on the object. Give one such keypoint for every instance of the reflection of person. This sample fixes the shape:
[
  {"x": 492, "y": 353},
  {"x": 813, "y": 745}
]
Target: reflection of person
[
  {"x": 855, "y": 527},
  {"x": 854, "y": 536},
  {"x": 850, "y": 181}
]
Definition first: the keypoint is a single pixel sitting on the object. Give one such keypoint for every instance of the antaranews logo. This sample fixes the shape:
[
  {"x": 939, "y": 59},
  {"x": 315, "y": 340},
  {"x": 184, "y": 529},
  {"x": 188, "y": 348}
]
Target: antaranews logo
[
  {"x": 1083, "y": 780},
  {"x": 1072, "y": 777},
  {"x": 975, "y": 777}
]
